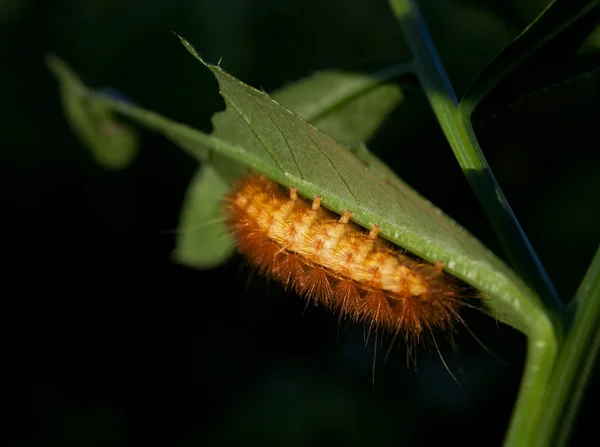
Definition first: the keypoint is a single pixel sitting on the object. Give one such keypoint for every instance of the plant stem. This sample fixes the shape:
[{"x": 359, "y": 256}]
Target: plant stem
[
  {"x": 542, "y": 350},
  {"x": 461, "y": 137},
  {"x": 542, "y": 342},
  {"x": 575, "y": 363}
]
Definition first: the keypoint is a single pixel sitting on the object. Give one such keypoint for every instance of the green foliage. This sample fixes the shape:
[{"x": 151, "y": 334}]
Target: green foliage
[
  {"x": 203, "y": 241},
  {"x": 113, "y": 144},
  {"x": 348, "y": 106},
  {"x": 258, "y": 132}
]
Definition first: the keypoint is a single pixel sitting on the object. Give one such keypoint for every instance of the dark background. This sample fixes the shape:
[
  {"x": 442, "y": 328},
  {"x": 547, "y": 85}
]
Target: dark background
[{"x": 107, "y": 342}]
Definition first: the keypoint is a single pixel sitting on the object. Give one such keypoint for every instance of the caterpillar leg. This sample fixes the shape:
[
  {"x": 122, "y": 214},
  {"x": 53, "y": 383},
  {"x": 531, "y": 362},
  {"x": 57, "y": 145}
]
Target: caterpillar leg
[
  {"x": 316, "y": 203},
  {"x": 374, "y": 232},
  {"x": 438, "y": 267},
  {"x": 345, "y": 217}
]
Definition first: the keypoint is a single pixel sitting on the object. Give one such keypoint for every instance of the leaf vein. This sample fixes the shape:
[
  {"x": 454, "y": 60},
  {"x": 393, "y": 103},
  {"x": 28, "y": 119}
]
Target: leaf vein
[
  {"x": 279, "y": 165},
  {"x": 282, "y": 136},
  {"x": 332, "y": 165}
]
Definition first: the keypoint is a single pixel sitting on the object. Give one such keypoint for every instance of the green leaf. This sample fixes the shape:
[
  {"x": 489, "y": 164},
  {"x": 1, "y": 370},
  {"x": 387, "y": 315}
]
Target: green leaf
[
  {"x": 293, "y": 153},
  {"x": 112, "y": 144},
  {"x": 203, "y": 241},
  {"x": 592, "y": 43},
  {"x": 271, "y": 139},
  {"x": 560, "y": 22},
  {"x": 349, "y": 106}
]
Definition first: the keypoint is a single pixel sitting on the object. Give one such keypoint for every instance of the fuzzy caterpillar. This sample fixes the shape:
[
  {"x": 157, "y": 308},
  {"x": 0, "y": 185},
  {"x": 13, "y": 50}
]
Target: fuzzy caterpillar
[{"x": 334, "y": 262}]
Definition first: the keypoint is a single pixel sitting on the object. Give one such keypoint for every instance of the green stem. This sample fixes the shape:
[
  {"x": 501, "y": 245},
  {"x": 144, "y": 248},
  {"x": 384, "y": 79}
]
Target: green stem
[
  {"x": 520, "y": 252},
  {"x": 542, "y": 350},
  {"x": 461, "y": 137},
  {"x": 575, "y": 364},
  {"x": 542, "y": 342}
]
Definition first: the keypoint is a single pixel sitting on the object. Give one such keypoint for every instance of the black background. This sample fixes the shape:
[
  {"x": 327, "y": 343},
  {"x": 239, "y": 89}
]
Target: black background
[{"x": 107, "y": 342}]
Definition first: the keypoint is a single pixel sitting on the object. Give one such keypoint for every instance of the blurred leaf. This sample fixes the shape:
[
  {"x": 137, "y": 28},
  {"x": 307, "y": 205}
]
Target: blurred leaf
[
  {"x": 560, "y": 19},
  {"x": 467, "y": 37},
  {"x": 592, "y": 43},
  {"x": 113, "y": 144},
  {"x": 348, "y": 106},
  {"x": 203, "y": 240}
]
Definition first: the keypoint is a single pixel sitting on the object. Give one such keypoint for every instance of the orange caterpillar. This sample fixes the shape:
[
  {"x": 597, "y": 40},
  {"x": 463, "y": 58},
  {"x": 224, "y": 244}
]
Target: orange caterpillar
[{"x": 331, "y": 260}]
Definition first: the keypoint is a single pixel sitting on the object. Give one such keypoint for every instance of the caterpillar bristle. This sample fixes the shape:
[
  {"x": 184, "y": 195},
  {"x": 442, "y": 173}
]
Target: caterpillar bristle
[{"x": 331, "y": 261}]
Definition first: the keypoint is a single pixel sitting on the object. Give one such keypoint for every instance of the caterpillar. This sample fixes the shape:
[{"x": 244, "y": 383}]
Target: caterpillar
[{"x": 332, "y": 261}]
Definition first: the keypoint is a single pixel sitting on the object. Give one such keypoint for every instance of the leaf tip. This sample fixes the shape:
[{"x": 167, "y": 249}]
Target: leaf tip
[
  {"x": 51, "y": 59},
  {"x": 55, "y": 64},
  {"x": 188, "y": 46}
]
